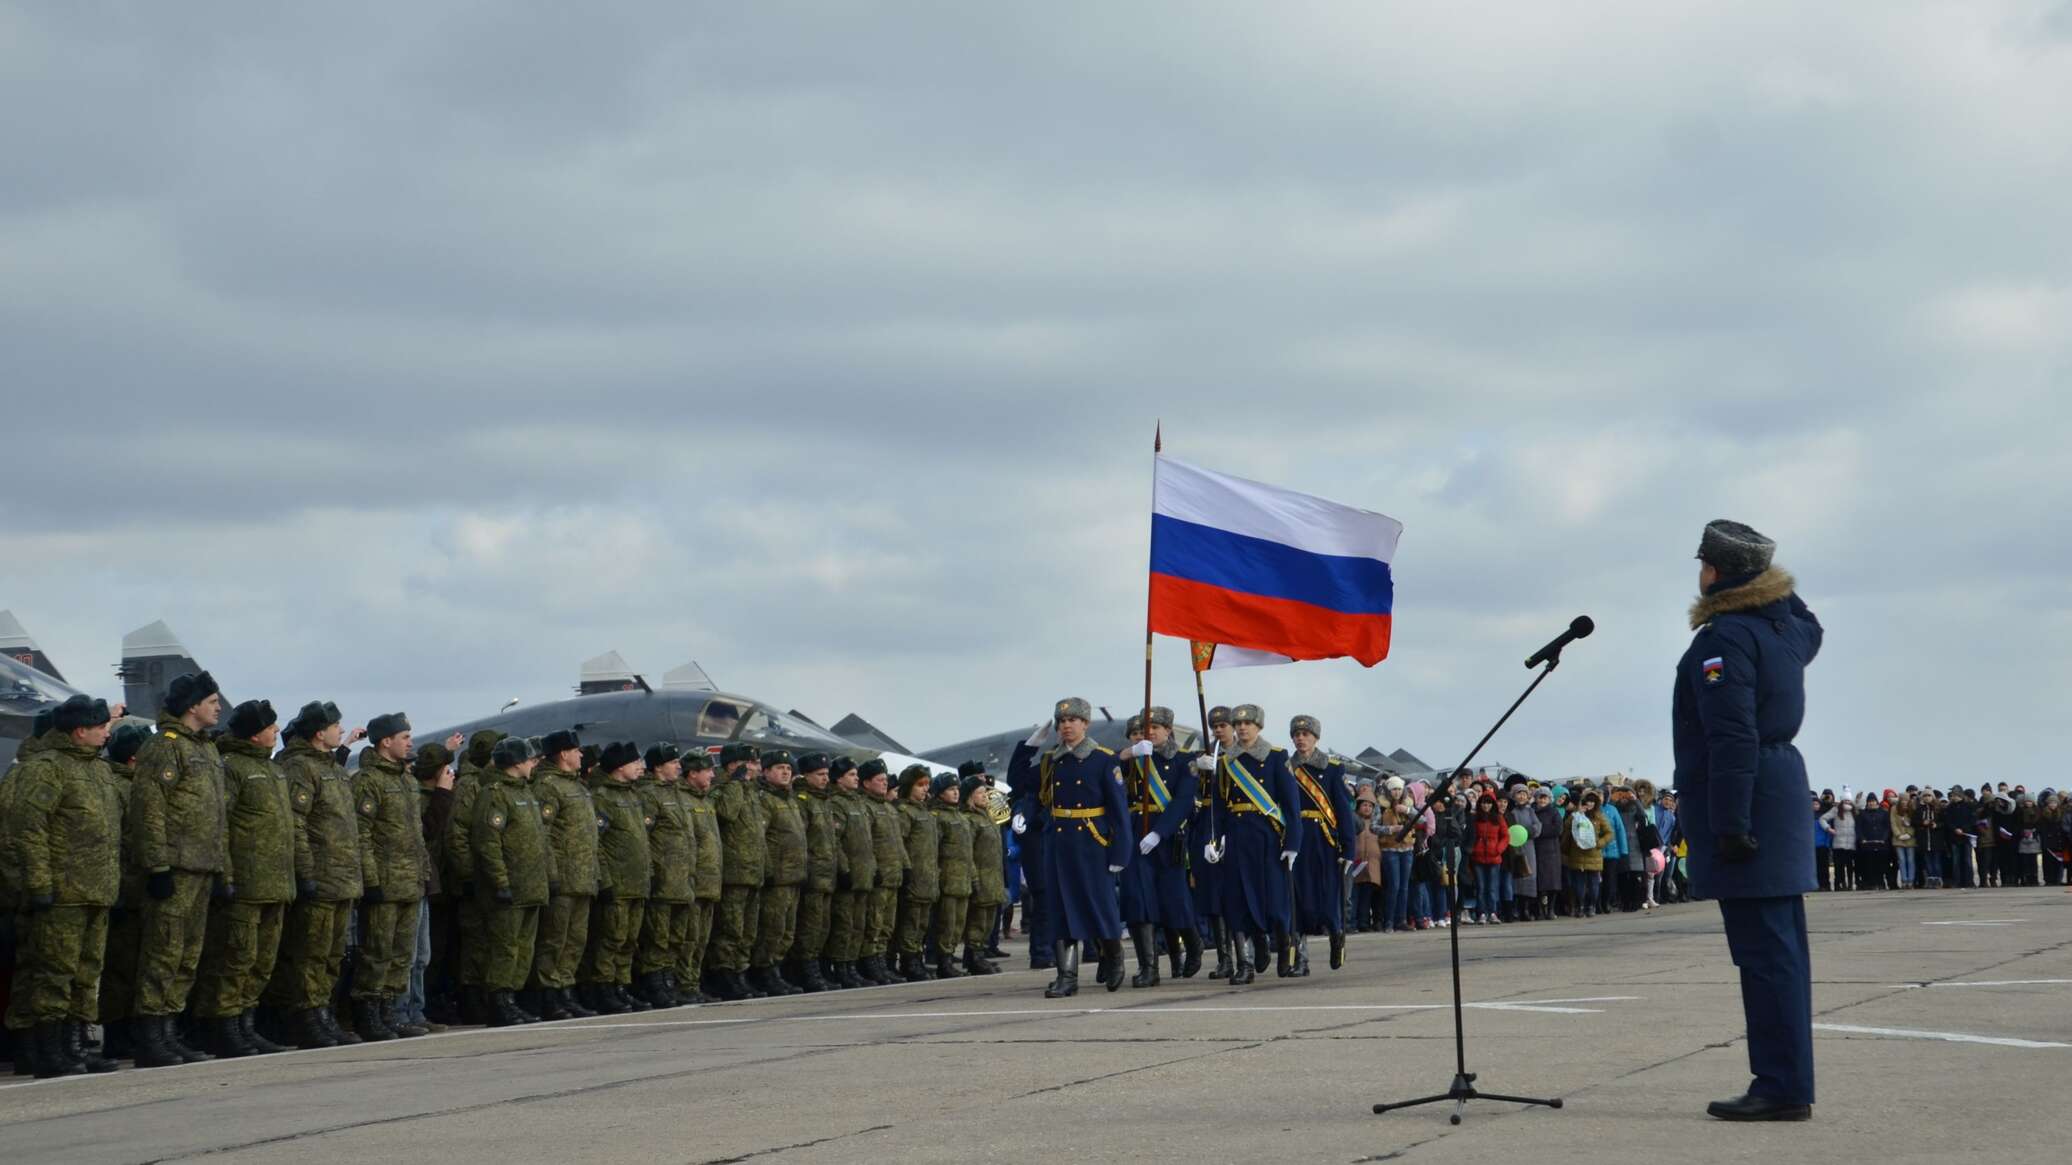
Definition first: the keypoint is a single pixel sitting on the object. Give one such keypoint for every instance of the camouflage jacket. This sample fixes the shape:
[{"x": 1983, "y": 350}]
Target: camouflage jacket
[
  {"x": 261, "y": 810},
  {"x": 508, "y": 841},
  {"x": 66, "y": 827},
  {"x": 459, "y": 851},
  {"x": 392, "y": 853},
  {"x": 923, "y": 836},
  {"x": 672, "y": 842},
  {"x": 176, "y": 817},
  {"x": 744, "y": 818},
  {"x": 988, "y": 860},
  {"x": 953, "y": 854},
  {"x": 888, "y": 838},
  {"x": 624, "y": 860},
  {"x": 705, "y": 880},
  {"x": 10, "y": 861},
  {"x": 570, "y": 811},
  {"x": 823, "y": 838},
  {"x": 856, "y": 838},
  {"x": 327, "y": 818},
  {"x": 784, "y": 838}
]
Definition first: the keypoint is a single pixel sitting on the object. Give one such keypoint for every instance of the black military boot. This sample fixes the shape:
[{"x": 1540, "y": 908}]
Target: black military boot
[
  {"x": 307, "y": 1029},
  {"x": 810, "y": 980},
  {"x": 1240, "y": 958},
  {"x": 1283, "y": 956},
  {"x": 367, "y": 1021},
  {"x": 604, "y": 1000},
  {"x": 1337, "y": 949},
  {"x": 178, "y": 1042},
  {"x": 503, "y": 1010},
  {"x": 910, "y": 968},
  {"x": 1066, "y": 984},
  {"x": 849, "y": 976},
  {"x": 1222, "y": 939},
  {"x": 116, "y": 1041},
  {"x": 474, "y": 1005},
  {"x": 976, "y": 962},
  {"x": 1190, "y": 957},
  {"x": 574, "y": 1007},
  {"x": 77, "y": 1046},
  {"x": 1110, "y": 967},
  {"x": 1301, "y": 956},
  {"x": 881, "y": 971},
  {"x": 148, "y": 1032},
  {"x": 47, "y": 1041},
  {"x": 1262, "y": 952},
  {"x": 550, "y": 1005},
  {"x": 225, "y": 1039},
  {"x": 1147, "y": 959},
  {"x": 630, "y": 1000},
  {"x": 343, "y": 1038}
]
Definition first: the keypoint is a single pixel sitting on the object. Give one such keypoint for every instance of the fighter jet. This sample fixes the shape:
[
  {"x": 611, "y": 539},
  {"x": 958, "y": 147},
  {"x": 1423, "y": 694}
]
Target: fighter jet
[{"x": 30, "y": 682}]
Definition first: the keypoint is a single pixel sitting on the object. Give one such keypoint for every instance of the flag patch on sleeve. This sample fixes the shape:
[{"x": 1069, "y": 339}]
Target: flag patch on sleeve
[{"x": 1715, "y": 669}]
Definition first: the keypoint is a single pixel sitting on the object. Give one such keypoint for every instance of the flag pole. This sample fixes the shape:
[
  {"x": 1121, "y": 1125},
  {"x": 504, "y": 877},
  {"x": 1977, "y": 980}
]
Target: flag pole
[
  {"x": 1201, "y": 701},
  {"x": 1157, "y": 447}
]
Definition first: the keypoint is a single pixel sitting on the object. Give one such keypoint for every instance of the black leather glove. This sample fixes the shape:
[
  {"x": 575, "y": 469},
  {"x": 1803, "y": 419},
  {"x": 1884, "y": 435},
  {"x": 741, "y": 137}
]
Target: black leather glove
[
  {"x": 503, "y": 897},
  {"x": 605, "y": 897},
  {"x": 223, "y": 891},
  {"x": 1734, "y": 848},
  {"x": 38, "y": 903},
  {"x": 373, "y": 896},
  {"x": 159, "y": 885},
  {"x": 305, "y": 890},
  {"x": 553, "y": 889}
]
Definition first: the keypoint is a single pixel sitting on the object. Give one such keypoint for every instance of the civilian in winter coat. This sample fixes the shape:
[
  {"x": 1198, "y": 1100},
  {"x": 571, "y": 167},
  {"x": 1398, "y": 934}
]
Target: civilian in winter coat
[
  {"x": 1367, "y": 884},
  {"x": 1547, "y": 849}
]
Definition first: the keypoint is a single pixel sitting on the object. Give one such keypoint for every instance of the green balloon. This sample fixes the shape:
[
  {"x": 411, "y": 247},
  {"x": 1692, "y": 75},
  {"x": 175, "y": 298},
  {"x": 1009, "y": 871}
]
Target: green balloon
[{"x": 1518, "y": 837}]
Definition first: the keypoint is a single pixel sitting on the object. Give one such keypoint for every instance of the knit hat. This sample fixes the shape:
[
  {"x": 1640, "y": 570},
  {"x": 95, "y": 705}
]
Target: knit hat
[
  {"x": 1735, "y": 549},
  {"x": 1395, "y": 784},
  {"x": 189, "y": 689},
  {"x": 429, "y": 760},
  {"x": 509, "y": 753},
  {"x": 80, "y": 712},
  {"x": 126, "y": 741}
]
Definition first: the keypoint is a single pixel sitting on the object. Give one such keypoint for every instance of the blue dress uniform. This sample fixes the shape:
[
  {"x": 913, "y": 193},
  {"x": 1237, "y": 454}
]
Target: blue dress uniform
[
  {"x": 1155, "y": 893},
  {"x": 1024, "y": 790},
  {"x": 1256, "y": 797},
  {"x": 1329, "y": 837},
  {"x": 1080, "y": 790},
  {"x": 1740, "y": 699}
]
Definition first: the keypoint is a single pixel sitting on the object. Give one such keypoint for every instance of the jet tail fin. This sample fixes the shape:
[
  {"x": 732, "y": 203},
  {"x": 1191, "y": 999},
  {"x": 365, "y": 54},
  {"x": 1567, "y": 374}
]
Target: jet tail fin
[
  {"x": 608, "y": 673},
  {"x": 15, "y": 641},
  {"x": 151, "y": 657}
]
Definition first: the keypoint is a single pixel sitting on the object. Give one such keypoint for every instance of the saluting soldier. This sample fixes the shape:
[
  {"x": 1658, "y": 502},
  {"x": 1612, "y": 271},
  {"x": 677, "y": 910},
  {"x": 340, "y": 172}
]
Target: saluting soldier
[
  {"x": 1030, "y": 822},
  {"x": 474, "y": 771},
  {"x": 327, "y": 879},
  {"x": 1330, "y": 834},
  {"x": 394, "y": 867},
  {"x": 624, "y": 865},
  {"x": 784, "y": 871},
  {"x": 119, "y": 969},
  {"x": 1079, "y": 788},
  {"x": 988, "y": 866},
  {"x": 244, "y": 934},
  {"x": 815, "y": 797},
  {"x": 1258, "y": 804},
  {"x": 176, "y": 829},
  {"x": 856, "y": 875},
  {"x": 66, "y": 830},
  {"x": 570, "y": 815},
  {"x": 666, "y": 922},
  {"x": 514, "y": 873},
  {"x": 1159, "y": 781},
  {"x": 1205, "y": 827},
  {"x": 706, "y": 885},
  {"x": 923, "y": 841},
  {"x": 743, "y": 820},
  {"x": 955, "y": 876},
  {"x": 888, "y": 838}
]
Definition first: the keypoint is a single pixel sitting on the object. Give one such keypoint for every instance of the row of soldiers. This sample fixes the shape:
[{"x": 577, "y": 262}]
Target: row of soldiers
[{"x": 193, "y": 888}]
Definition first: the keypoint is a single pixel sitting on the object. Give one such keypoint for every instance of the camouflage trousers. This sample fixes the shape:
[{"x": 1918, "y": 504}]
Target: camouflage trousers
[
  {"x": 169, "y": 945},
  {"x": 882, "y": 921},
  {"x": 237, "y": 957},
  {"x": 815, "y": 921},
  {"x": 24, "y": 965},
  {"x": 312, "y": 955},
  {"x": 779, "y": 922},
  {"x": 564, "y": 928},
  {"x": 119, "y": 969},
  {"x": 58, "y": 966},
  {"x": 848, "y": 918},
  {"x": 614, "y": 934},
  {"x": 470, "y": 930},
  {"x": 733, "y": 927},
  {"x": 914, "y": 916},
  {"x": 664, "y": 928},
  {"x": 388, "y": 942},
  {"x": 950, "y": 916},
  {"x": 978, "y": 927},
  {"x": 508, "y": 934},
  {"x": 690, "y": 969}
]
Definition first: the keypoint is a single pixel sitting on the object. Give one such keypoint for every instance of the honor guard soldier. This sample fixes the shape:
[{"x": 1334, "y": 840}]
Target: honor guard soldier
[
  {"x": 697, "y": 791},
  {"x": 624, "y": 865},
  {"x": 1329, "y": 835},
  {"x": 65, "y": 825},
  {"x": 1205, "y": 827},
  {"x": 473, "y": 772},
  {"x": 514, "y": 874},
  {"x": 784, "y": 871},
  {"x": 569, "y": 813},
  {"x": 1257, "y": 799},
  {"x": 888, "y": 837},
  {"x": 1740, "y": 701},
  {"x": 1079, "y": 787},
  {"x": 815, "y": 796},
  {"x": 327, "y": 880},
  {"x": 177, "y": 831},
  {"x": 856, "y": 875},
  {"x": 244, "y": 934},
  {"x": 393, "y": 872},
  {"x": 922, "y": 837},
  {"x": 1159, "y": 780},
  {"x": 743, "y": 820},
  {"x": 666, "y": 925},
  {"x": 1030, "y": 821},
  {"x": 954, "y": 873},
  {"x": 988, "y": 864}
]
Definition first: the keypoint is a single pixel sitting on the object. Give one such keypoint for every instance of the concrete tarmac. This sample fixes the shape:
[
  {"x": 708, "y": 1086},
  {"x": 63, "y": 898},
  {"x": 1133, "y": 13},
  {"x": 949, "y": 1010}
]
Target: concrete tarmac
[{"x": 1945, "y": 1036}]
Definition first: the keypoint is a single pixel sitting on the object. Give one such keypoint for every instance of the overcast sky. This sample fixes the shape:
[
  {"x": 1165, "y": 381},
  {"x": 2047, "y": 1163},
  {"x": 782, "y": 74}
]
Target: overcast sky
[{"x": 410, "y": 360}]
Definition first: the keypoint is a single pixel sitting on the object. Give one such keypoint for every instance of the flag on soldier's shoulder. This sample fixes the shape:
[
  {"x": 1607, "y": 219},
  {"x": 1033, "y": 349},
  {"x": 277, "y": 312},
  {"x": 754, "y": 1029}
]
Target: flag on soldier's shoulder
[{"x": 1246, "y": 570}]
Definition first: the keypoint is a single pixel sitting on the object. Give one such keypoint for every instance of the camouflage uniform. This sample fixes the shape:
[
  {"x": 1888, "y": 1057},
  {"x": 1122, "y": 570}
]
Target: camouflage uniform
[
  {"x": 469, "y": 776},
  {"x": 564, "y": 931},
  {"x": 514, "y": 864},
  {"x": 743, "y": 819},
  {"x": 11, "y": 899},
  {"x": 244, "y": 934},
  {"x": 784, "y": 871},
  {"x": 954, "y": 873},
  {"x": 65, "y": 834},
  {"x": 705, "y": 887},
  {"x": 327, "y": 860},
  {"x": 824, "y": 872},
  {"x": 888, "y": 836},
  {"x": 855, "y": 877},
  {"x": 922, "y": 835},
  {"x": 176, "y": 827},
  {"x": 119, "y": 969},
  {"x": 989, "y": 886},
  {"x": 672, "y": 850},
  {"x": 394, "y": 864},
  {"x": 624, "y": 865}
]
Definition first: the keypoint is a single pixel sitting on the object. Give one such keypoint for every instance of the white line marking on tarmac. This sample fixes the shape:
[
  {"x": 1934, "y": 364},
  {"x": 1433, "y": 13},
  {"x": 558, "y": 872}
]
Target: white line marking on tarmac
[
  {"x": 1985, "y": 983},
  {"x": 1979, "y": 922},
  {"x": 1946, "y": 1037}
]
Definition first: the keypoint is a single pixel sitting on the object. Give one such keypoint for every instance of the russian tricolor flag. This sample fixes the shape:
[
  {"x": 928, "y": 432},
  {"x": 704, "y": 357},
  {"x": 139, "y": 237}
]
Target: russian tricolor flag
[{"x": 1257, "y": 567}]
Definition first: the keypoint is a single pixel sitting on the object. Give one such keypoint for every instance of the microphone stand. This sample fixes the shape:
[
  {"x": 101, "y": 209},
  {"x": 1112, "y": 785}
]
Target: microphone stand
[{"x": 1463, "y": 1089}]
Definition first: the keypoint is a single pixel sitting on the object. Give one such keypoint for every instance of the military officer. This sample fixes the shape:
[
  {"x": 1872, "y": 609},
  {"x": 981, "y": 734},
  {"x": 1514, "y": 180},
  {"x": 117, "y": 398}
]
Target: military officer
[
  {"x": 327, "y": 879},
  {"x": 988, "y": 865},
  {"x": 824, "y": 869},
  {"x": 665, "y": 925},
  {"x": 394, "y": 869},
  {"x": 888, "y": 838},
  {"x": 66, "y": 831},
  {"x": 1258, "y": 806},
  {"x": 1206, "y": 826},
  {"x": 1329, "y": 835},
  {"x": 1159, "y": 781},
  {"x": 570, "y": 815},
  {"x": 514, "y": 873},
  {"x": 176, "y": 831},
  {"x": 244, "y": 934},
  {"x": 955, "y": 876},
  {"x": 1739, "y": 703},
  {"x": 468, "y": 922},
  {"x": 1080, "y": 789},
  {"x": 706, "y": 884},
  {"x": 922, "y": 836},
  {"x": 624, "y": 866},
  {"x": 1030, "y": 822},
  {"x": 743, "y": 820},
  {"x": 784, "y": 871},
  {"x": 856, "y": 875}
]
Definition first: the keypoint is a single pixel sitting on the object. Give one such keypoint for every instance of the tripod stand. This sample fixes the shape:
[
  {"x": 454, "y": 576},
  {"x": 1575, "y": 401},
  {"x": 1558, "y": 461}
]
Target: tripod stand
[{"x": 1463, "y": 1089}]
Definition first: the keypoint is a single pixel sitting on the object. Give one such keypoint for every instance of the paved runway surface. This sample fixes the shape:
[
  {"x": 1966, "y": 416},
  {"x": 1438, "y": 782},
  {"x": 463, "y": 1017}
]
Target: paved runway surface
[{"x": 1946, "y": 1030}]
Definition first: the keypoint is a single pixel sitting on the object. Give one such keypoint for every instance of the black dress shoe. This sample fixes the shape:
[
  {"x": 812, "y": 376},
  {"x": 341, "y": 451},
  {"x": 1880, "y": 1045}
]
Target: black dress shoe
[{"x": 1757, "y": 1108}]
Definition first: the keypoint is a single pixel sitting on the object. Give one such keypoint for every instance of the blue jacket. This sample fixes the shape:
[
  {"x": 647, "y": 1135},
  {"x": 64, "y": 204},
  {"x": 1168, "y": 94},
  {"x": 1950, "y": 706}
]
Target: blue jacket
[
  {"x": 1665, "y": 824},
  {"x": 1739, "y": 702},
  {"x": 1616, "y": 846}
]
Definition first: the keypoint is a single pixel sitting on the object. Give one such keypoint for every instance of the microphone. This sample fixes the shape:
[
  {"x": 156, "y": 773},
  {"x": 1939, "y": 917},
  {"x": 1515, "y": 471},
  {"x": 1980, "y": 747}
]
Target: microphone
[{"x": 1581, "y": 628}]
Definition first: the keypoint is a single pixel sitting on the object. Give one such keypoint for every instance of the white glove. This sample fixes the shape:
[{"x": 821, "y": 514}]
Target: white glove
[
  {"x": 1149, "y": 843},
  {"x": 1288, "y": 858},
  {"x": 1115, "y": 869},
  {"x": 1212, "y": 852},
  {"x": 1041, "y": 736},
  {"x": 1204, "y": 764},
  {"x": 1020, "y": 824},
  {"x": 1141, "y": 748}
]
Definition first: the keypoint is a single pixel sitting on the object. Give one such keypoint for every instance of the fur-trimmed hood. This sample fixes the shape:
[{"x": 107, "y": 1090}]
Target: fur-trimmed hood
[{"x": 1760, "y": 591}]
